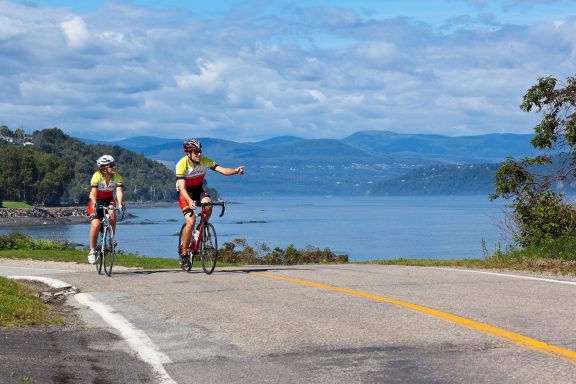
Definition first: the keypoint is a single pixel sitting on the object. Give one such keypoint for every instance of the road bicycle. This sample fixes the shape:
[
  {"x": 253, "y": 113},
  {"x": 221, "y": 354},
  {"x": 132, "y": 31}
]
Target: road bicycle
[
  {"x": 206, "y": 243},
  {"x": 106, "y": 243}
]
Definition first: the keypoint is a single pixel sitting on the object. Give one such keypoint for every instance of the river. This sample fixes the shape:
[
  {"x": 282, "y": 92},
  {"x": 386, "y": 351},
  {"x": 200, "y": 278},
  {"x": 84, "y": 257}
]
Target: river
[{"x": 365, "y": 228}]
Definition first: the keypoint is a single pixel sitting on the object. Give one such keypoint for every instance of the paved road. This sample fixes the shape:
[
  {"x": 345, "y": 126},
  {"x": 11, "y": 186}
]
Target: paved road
[{"x": 337, "y": 324}]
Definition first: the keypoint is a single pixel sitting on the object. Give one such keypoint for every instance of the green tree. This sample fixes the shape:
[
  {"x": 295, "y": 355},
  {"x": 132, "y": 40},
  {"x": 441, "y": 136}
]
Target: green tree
[
  {"x": 19, "y": 133},
  {"x": 540, "y": 211},
  {"x": 28, "y": 176},
  {"x": 144, "y": 179},
  {"x": 31, "y": 176},
  {"x": 53, "y": 177},
  {"x": 9, "y": 167},
  {"x": 5, "y": 131}
]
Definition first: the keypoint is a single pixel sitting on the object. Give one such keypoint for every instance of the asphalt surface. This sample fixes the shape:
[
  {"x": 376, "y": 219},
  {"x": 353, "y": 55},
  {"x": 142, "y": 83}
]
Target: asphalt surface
[
  {"x": 325, "y": 324},
  {"x": 71, "y": 353}
]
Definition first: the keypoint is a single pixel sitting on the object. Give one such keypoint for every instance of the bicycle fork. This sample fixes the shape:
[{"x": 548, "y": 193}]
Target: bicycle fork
[{"x": 196, "y": 247}]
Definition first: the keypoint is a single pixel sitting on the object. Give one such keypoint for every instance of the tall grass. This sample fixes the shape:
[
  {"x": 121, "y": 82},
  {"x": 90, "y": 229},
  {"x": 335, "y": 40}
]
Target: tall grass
[{"x": 556, "y": 256}]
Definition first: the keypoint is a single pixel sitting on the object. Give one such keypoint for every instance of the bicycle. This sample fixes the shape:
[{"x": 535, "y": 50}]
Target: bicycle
[
  {"x": 206, "y": 245},
  {"x": 106, "y": 244}
]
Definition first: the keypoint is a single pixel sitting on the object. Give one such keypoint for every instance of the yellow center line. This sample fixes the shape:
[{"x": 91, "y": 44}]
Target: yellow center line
[{"x": 522, "y": 341}]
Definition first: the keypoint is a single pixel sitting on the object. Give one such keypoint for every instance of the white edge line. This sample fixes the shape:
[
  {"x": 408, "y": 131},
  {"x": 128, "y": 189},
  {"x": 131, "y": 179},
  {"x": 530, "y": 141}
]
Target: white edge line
[
  {"x": 136, "y": 338},
  {"x": 37, "y": 269},
  {"x": 46, "y": 280},
  {"x": 510, "y": 275}
]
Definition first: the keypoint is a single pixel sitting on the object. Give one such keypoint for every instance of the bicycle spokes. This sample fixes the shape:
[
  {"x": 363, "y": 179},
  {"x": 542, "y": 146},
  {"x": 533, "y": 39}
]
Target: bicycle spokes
[{"x": 208, "y": 248}]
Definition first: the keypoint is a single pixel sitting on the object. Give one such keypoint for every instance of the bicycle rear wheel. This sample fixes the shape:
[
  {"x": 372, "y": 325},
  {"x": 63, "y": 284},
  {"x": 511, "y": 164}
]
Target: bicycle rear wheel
[
  {"x": 208, "y": 249},
  {"x": 108, "y": 251},
  {"x": 185, "y": 264}
]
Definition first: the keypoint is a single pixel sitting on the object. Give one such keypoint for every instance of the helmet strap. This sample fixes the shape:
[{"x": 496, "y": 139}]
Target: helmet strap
[
  {"x": 105, "y": 170},
  {"x": 188, "y": 154}
]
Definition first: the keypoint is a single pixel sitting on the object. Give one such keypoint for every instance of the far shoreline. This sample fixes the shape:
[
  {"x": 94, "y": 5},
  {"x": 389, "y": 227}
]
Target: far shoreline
[
  {"x": 36, "y": 216},
  {"x": 23, "y": 221},
  {"x": 66, "y": 215}
]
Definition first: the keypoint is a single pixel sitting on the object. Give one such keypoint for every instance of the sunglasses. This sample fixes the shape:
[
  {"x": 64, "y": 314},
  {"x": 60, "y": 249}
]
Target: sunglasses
[
  {"x": 111, "y": 165},
  {"x": 196, "y": 151}
]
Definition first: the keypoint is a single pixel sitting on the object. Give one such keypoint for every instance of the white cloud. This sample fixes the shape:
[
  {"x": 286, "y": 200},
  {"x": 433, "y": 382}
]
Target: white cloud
[
  {"x": 211, "y": 78},
  {"x": 317, "y": 95},
  {"x": 315, "y": 72},
  {"x": 76, "y": 32}
]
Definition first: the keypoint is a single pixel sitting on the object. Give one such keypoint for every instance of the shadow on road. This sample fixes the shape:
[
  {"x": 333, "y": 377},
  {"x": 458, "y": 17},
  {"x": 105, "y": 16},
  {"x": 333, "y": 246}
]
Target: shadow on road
[{"x": 197, "y": 270}]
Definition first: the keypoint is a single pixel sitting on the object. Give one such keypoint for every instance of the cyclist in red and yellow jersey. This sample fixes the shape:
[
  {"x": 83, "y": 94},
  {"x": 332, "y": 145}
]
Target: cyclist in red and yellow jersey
[
  {"x": 104, "y": 184},
  {"x": 190, "y": 173}
]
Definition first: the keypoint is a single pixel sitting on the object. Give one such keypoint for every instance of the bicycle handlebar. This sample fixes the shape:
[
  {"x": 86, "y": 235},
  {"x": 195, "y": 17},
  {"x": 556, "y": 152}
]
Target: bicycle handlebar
[
  {"x": 112, "y": 207},
  {"x": 221, "y": 203}
]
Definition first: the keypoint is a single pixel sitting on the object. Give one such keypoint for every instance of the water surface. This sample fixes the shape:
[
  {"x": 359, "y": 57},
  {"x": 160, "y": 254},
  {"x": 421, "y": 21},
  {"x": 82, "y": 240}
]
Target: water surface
[{"x": 365, "y": 228}]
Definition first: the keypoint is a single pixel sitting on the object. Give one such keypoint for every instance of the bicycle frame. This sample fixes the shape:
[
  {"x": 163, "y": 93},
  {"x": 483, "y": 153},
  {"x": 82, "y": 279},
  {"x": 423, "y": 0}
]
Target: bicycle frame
[
  {"x": 106, "y": 219},
  {"x": 203, "y": 216}
]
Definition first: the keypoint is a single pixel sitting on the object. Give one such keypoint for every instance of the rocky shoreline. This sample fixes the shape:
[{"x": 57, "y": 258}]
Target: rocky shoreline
[{"x": 15, "y": 217}]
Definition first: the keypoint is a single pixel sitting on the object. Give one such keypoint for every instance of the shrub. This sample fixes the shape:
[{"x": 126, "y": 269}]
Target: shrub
[
  {"x": 542, "y": 218},
  {"x": 261, "y": 254},
  {"x": 17, "y": 240}
]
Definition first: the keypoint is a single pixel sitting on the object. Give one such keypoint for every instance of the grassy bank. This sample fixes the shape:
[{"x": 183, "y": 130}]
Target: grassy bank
[
  {"x": 556, "y": 257},
  {"x": 20, "y": 306},
  {"x": 237, "y": 252}
]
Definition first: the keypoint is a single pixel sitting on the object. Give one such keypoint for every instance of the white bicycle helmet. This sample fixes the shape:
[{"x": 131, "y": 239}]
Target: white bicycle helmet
[{"x": 104, "y": 161}]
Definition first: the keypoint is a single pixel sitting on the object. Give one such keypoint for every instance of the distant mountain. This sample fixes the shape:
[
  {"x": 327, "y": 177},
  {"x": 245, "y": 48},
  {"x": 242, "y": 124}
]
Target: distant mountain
[
  {"x": 353, "y": 165},
  {"x": 279, "y": 140},
  {"x": 136, "y": 143},
  {"x": 460, "y": 149},
  {"x": 468, "y": 179}
]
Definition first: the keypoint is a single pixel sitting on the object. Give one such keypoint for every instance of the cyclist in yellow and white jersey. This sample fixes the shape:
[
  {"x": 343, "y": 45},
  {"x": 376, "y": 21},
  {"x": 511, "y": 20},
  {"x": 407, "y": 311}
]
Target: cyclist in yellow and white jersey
[
  {"x": 190, "y": 173},
  {"x": 105, "y": 183}
]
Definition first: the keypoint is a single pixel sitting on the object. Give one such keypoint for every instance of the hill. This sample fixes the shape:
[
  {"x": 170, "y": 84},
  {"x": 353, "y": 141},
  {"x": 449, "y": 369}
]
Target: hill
[
  {"x": 355, "y": 164},
  {"x": 468, "y": 179},
  {"x": 489, "y": 148},
  {"x": 57, "y": 169}
]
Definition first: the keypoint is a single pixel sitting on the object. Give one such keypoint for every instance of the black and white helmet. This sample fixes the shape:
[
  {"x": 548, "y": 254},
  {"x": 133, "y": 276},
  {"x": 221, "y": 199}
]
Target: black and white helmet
[{"x": 104, "y": 161}]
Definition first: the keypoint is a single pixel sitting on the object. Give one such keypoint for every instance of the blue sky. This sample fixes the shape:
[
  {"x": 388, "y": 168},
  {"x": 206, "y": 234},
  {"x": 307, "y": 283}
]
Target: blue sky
[{"x": 254, "y": 70}]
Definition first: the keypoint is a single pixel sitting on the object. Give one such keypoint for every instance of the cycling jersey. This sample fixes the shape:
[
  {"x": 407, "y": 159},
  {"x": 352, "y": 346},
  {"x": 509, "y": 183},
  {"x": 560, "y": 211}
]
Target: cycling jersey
[
  {"x": 105, "y": 191},
  {"x": 193, "y": 175}
]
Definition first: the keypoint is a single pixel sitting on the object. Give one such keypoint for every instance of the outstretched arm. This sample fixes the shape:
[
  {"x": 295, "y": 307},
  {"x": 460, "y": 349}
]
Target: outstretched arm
[{"x": 229, "y": 171}]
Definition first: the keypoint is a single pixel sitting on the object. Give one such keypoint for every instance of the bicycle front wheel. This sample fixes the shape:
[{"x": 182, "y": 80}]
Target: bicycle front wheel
[
  {"x": 108, "y": 251},
  {"x": 208, "y": 249},
  {"x": 99, "y": 257}
]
